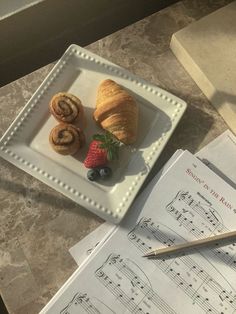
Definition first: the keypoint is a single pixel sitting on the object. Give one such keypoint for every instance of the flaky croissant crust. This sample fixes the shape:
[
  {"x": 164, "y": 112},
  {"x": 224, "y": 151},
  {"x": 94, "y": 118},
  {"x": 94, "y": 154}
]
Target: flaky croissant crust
[{"x": 116, "y": 111}]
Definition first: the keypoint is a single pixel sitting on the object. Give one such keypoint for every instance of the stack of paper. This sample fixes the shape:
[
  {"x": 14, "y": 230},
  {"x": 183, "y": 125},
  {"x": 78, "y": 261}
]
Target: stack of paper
[{"x": 188, "y": 201}]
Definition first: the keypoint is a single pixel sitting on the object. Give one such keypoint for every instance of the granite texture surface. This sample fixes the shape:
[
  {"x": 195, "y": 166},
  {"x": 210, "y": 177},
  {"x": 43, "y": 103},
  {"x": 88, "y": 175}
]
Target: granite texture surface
[{"x": 38, "y": 225}]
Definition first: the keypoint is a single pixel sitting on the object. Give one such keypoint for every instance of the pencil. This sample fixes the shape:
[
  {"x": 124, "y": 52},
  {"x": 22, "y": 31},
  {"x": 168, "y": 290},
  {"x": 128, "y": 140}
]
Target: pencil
[{"x": 192, "y": 244}]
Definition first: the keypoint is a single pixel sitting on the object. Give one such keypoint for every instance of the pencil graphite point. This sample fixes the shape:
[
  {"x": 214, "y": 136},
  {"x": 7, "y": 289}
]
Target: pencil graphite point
[
  {"x": 196, "y": 244},
  {"x": 150, "y": 254}
]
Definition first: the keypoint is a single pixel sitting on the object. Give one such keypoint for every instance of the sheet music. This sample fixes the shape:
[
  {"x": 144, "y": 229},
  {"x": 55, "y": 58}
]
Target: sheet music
[
  {"x": 220, "y": 156},
  {"x": 82, "y": 250},
  {"x": 189, "y": 202}
]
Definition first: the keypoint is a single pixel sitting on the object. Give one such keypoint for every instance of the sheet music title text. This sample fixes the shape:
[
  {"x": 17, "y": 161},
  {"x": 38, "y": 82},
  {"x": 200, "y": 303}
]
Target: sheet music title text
[{"x": 214, "y": 193}]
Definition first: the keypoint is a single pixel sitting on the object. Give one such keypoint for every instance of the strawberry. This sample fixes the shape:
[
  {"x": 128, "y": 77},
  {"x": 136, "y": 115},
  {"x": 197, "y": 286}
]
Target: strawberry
[{"x": 102, "y": 149}]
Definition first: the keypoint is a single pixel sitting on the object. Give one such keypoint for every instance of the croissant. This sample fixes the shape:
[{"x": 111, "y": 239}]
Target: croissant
[
  {"x": 116, "y": 111},
  {"x": 66, "y": 108},
  {"x": 66, "y": 139}
]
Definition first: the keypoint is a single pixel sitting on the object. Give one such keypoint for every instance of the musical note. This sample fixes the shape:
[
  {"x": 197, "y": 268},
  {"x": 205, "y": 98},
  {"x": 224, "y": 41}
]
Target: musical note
[
  {"x": 81, "y": 300},
  {"x": 134, "y": 292},
  {"x": 209, "y": 215},
  {"x": 81, "y": 303},
  {"x": 190, "y": 277},
  {"x": 210, "y": 223},
  {"x": 118, "y": 278}
]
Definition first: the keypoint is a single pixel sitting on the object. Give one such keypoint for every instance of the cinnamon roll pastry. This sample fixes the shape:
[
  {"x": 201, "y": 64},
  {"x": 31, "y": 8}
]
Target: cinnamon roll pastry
[
  {"x": 66, "y": 139},
  {"x": 67, "y": 108}
]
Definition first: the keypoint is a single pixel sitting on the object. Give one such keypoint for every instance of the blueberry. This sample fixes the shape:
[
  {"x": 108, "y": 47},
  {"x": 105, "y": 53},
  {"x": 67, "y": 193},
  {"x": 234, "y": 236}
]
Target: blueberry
[
  {"x": 93, "y": 174},
  {"x": 105, "y": 172}
]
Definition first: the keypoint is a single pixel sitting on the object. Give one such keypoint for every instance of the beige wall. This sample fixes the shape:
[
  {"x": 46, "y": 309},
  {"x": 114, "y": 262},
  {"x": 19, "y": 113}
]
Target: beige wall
[
  {"x": 10, "y": 7},
  {"x": 39, "y": 34},
  {"x": 47, "y": 20}
]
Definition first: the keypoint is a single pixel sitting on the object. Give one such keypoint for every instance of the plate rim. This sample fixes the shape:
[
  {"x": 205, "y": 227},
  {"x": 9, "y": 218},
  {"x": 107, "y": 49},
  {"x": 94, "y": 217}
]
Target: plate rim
[{"x": 115, "y": 215}]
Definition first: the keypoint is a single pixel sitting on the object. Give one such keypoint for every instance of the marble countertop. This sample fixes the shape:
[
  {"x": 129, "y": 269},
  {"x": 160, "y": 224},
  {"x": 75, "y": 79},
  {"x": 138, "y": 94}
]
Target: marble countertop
[{"x": 39, "y": 225}]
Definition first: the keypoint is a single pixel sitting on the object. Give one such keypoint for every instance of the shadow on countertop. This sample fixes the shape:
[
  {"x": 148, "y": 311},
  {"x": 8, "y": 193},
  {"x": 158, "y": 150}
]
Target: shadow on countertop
[{"x": 3, "y": 309}]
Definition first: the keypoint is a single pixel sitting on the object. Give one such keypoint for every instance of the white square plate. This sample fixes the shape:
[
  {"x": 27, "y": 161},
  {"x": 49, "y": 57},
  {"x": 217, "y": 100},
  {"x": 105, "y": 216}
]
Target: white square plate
[{"x": 25, "y": 143}]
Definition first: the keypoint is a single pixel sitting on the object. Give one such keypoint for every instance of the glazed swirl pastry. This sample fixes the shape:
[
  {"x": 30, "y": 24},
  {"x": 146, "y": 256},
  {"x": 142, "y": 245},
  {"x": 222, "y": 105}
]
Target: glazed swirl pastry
[
  {"x": 66, "y": 139},
  {"x": 66, "y": 108}
]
